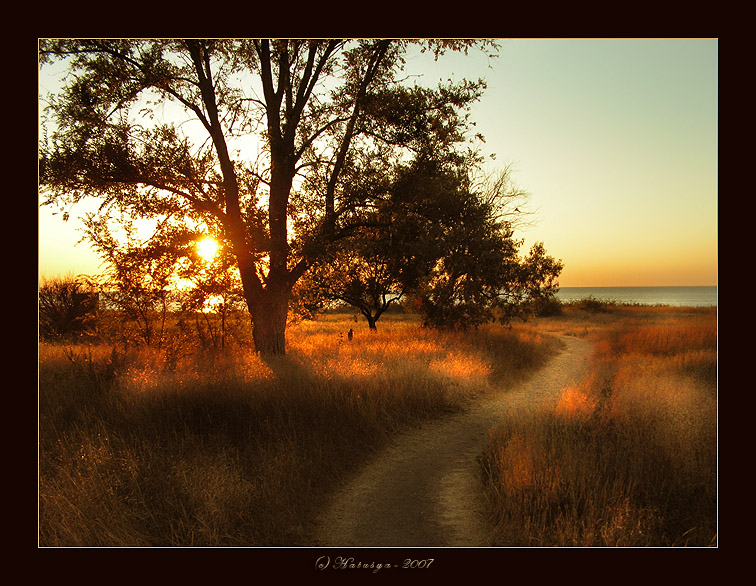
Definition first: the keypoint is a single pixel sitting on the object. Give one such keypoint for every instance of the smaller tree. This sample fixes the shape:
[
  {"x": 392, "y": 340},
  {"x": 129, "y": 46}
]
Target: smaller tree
[
  {"x": 480, "y": 275},
  {"x": 538, "y": 283},
  {"x": 140, "y": 274},
  {"x": 479, "y": 259},
  {"x": 363, "y": 273},
  {"x": 67, "y": 306},
  {"x": 478, "y": 285},
  {"x": 212, "y": 293}
]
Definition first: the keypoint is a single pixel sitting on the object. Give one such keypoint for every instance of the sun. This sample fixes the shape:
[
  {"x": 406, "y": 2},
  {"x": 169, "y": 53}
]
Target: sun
[{"x": 207, "y": 248}]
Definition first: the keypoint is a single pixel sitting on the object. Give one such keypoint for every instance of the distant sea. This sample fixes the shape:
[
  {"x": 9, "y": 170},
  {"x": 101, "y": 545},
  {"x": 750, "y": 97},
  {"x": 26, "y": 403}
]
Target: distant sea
[{"x": 674, "y": 296}]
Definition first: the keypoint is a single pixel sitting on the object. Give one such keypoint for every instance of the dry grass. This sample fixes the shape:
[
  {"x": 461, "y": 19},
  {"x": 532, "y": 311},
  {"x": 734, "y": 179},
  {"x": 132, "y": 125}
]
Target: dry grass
[
  {"x": 147, "y": 448},
  {"x": 142, "y": 448},
  {"x": 628, "y": 457}
]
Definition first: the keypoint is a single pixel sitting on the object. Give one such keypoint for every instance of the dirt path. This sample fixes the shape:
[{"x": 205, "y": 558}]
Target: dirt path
[{"x": 424, "y": 490}]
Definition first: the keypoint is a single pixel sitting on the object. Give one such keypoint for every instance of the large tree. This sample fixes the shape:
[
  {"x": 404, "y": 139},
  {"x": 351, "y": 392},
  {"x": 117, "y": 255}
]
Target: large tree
[{"x": 152, "y": 127}]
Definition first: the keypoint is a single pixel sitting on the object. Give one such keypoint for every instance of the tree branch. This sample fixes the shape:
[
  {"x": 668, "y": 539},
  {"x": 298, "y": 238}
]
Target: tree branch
[{"x": 379, "y": 53}]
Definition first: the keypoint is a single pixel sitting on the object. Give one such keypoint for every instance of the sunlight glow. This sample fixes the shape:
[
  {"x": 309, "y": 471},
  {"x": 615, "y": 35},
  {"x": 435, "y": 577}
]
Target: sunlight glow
[
  {"x": 212, "y": 304},
  {"x": 207, "y": 248}
]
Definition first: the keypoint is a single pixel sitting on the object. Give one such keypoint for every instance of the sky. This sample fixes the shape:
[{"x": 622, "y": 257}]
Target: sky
[{"x": 615, "y": 141}]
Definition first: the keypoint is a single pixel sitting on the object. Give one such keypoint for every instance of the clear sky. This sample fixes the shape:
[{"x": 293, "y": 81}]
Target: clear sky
[{"x": 614, "y": 139}]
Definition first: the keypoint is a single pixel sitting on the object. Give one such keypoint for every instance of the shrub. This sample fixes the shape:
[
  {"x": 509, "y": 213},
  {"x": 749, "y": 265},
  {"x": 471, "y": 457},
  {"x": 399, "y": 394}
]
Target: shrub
[
  {"x": 547, "y": 307},
  {"x": 66, "y": 307},
  {"x": 593, "y": 305}
]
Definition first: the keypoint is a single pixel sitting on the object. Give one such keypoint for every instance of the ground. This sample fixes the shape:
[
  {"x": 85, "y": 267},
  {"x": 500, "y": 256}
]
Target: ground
[{"x": 425, "y": 489}]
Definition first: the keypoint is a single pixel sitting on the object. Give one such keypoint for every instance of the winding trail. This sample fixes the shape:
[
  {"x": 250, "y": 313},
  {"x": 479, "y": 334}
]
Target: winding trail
[{"x": 424, "y": 490}]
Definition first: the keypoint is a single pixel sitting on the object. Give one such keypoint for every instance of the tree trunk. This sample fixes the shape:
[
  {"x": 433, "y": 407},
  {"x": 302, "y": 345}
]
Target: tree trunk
[
  {"x": 370, "y": 319},
  {"x": 269, "y": 311}
]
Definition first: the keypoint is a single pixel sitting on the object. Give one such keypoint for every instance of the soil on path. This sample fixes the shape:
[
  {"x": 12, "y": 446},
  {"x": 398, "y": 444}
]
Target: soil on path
[{"x": 425, "y": 489}]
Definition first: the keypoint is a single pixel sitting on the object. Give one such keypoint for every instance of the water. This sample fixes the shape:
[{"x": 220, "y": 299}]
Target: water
[{"x": 674, "y": 296}]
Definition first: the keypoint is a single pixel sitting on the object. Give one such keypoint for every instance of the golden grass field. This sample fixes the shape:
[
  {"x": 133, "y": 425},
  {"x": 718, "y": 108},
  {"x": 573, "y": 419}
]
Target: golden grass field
[{"x": 211, "y": 448}]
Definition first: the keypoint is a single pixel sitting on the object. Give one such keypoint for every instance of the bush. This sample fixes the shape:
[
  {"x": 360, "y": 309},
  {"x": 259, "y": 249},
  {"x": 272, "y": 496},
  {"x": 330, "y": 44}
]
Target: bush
[
  {"x": 593, "y": 305},
  {"x": 547, "y": 307},
  {"x": 67, "y": 307}
]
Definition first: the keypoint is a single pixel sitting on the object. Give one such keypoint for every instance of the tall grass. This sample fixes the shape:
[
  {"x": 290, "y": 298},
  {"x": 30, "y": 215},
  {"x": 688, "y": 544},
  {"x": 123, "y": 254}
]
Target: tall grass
[
  {"x": 628, "y": 457},
  {"x": 142, "y": 448}
]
